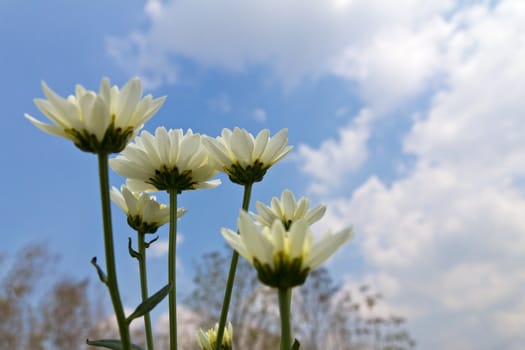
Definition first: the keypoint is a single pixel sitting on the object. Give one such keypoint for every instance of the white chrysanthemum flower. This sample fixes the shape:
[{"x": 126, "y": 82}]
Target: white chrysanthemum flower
[
  {"x": 103, "y": 122},
  {"x": 246, "y": 158},
  {"x": 288, "y": 210},
  {"x": 283, "y": 258},
  {"x": 208, "y": 340},
  {"x": 144, "y": 213},
  {"x": 168, "y": 160}
]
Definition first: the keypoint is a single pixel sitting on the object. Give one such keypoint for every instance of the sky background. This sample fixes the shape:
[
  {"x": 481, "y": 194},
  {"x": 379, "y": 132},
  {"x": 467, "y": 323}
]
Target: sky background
[{"x": 407, "y": 118}]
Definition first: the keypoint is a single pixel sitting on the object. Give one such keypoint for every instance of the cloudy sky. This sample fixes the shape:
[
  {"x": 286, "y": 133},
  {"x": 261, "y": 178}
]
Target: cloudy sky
[{"x": 407, "y": 117}]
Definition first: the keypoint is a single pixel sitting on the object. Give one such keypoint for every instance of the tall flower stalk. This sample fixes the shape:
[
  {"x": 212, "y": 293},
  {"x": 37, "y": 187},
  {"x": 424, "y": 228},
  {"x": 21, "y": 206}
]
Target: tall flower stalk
[
  {"x": 172, "y": 268},
  {"x": 285, "y": 300},
  {"x": 109, "y": 251},
  {"x": 245, "y": 159},
  {"x": 283, "y": 256},
  {"x": 167, "y": 161},
  {"x": 141, "y": 236},
  {"x": 231, "y": 275},
  {"x": 145, "y": 215},
  {"x": 101, "y": 123}
]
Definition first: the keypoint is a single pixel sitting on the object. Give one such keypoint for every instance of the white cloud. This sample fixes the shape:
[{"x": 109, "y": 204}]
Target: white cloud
[
  {"x": 359, "y": 40},
  {"x": 447, "y": 238},
  {"x": 259, "y": 114},
  {"x": 334, "y": 159},
  {"x": 160, "y": 248},
  {"x": 220, "y": 104}
]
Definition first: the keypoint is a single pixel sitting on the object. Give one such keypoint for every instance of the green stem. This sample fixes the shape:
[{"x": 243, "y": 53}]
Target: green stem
[
  {"x": 172, "y": 246},
  {"x": 110, "y": 253},
  {"x": 144, "y": 287},
  {"x": 285, "y": 298},
  {"x": 231, "y": 275}
]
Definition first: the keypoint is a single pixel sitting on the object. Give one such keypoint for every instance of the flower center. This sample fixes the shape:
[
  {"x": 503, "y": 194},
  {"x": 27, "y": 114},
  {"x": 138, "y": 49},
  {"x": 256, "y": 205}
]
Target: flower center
[
  {"x": 285, "y": 274},
  {"x": 114, "y": 140},
  {"x": 135, "y": 222},
  {"x": 246, "y": 175},
  {"x": 169, "y": 179}
]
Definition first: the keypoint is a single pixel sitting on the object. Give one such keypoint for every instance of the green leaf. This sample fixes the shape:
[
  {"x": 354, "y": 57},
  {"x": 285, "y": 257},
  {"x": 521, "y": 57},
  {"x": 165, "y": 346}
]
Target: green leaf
[
  {"x": 295, "y": 345},
  {"x": 111, "y": 344},
  {"x": 148, "y": 304}
]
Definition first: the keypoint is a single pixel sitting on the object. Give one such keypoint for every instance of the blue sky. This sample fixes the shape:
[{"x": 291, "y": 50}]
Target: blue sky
[{"x": 407, "y": 121}]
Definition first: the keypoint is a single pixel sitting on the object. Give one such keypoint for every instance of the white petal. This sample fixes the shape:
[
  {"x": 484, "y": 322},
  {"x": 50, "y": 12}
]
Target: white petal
[
  {"x": 190, "y": 154},
  {"x": 288, "y": 203},
  {"x": 131, "y": 201},
  {"x": 297, "y": 233},
  {"x": 65, "y": 110},
  {"x": 50, "y": 111},
  {"x": 256, "y": 243},
  {"x": 315, "y": 214},
  {"x": 128, "y": 98},
  {"x": 104, "y": 91},
  {"x": 260, "y": 143},
  {"x": 217, "y": 151},
  {"x": 235, "y": 241},
  {"x": 118, "y": 199},
  {"x": 266, "y": 215},
  {"x": 278, "y": 236},
  {"x": 326, "y": 247},
  {"x": 274, "y": 147},
  {"x": 50, "y": 129},
  {"x": 242, "y": 146},
  {"x": 277, "y": 208},
  {"x": 208, "y": 184},
  {"x": 140, "y": 186},
  {"x": 302, "y": 208}
]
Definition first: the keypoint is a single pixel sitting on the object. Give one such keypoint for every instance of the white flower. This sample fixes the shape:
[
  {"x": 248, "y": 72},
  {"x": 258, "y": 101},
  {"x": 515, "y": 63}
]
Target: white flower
[
  {"x": 207, "y": 340},
  {"x": 168, "y": 161},
  {"x": 288, "y": 210},
  {"x": 144, "y": 213},
  {"x": 283, "y": 258},
  {"x": 103, "y": 122},
  {"x": 246, "y": 158}
]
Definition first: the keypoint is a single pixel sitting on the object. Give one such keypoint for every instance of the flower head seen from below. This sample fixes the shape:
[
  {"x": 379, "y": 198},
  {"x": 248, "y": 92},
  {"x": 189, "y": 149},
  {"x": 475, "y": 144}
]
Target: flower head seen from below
[
  {"x": 144, "y": 213},
  {"x": 288, "y": 210},
  {"x": 245, "y": 158},
  {"x": 167, "y": 161},
  {"x": 207, "y": 340},
  {"x": 283, "y": 258},
  {"x": 97, "y": 123}
]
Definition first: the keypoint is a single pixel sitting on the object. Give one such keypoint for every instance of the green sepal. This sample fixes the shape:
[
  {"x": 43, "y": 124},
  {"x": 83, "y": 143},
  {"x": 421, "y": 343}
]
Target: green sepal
[
  {"x": 295, "y": 345},
  {"x": 246, "y": 175},
  {"x": 132, "y": 252},
  {"x": 101, "y": 274},
  {"x": 148, "y": 304},
  {"x": 114, "y": 140},
  {"x": 110, "y": 344},
  {"x": 169, "y": 179}
]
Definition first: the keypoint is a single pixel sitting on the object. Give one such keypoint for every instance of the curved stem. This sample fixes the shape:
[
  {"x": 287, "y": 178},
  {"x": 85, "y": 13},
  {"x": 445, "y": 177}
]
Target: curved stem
[
  {"x": 172, "y": 246},
  {"x": 231, "y": 275},
  {"x": 144, "y": 287},
  {"x": 285, "y": 298},
  {"x": 111, "y": 283}
]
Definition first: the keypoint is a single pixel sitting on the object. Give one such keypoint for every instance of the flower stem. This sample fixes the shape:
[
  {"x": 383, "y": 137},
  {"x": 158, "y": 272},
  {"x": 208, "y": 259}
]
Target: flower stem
[
  {"x": 231, "y": 275},
  {"x": 285, "y": 298},
  {"x": 144, "y": 287},
  {"x": 172, "y": 246},
  {"x": 111, "y": 282}
]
